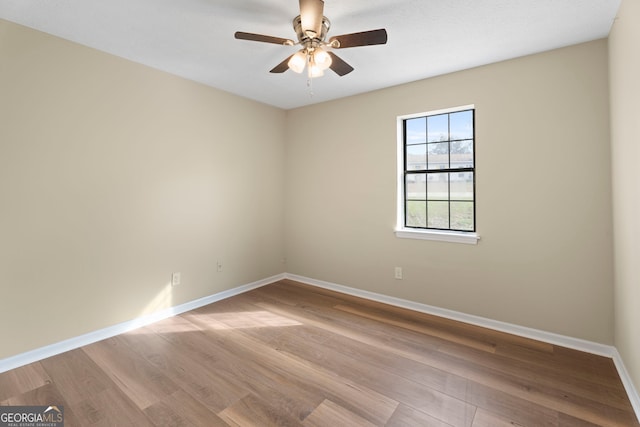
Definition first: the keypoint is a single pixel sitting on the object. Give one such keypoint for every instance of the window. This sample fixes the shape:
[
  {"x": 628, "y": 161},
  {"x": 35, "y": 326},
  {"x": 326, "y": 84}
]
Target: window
[{"x": 436, "y": 182}]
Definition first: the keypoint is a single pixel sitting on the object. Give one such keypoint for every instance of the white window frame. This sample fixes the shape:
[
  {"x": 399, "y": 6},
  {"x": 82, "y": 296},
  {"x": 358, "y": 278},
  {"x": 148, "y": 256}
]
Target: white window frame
[{"x": 411, "y": 233}]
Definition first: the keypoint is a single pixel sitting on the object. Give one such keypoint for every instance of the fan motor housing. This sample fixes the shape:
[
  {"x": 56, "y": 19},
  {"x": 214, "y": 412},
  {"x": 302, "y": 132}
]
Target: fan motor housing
[{"x": 304, "y": 38}]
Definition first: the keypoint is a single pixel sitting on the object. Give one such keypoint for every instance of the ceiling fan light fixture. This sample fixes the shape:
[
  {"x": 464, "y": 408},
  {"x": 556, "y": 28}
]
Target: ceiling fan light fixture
[
  {"x": 298, "y": 61},
  {"x": 311, "y": 28}
]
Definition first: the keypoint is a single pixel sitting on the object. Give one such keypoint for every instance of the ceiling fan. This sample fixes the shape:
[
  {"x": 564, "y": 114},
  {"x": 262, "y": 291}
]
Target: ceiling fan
[{"x": 311, "y": 28}]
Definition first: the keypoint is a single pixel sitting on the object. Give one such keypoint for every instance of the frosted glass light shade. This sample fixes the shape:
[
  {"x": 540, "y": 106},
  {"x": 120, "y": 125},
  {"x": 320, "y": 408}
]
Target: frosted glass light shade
[
  {"x": 315, "y": 71},
  {"x": 321, "y": 58},
  {"x": 298, "y": 61}
]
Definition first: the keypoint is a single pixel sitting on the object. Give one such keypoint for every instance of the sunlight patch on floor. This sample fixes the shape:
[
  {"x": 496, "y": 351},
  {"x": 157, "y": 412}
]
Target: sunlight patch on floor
[{"x": 244, "y": 320}]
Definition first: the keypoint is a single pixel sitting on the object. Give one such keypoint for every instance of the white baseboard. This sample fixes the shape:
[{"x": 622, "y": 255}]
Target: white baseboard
[
  {"x": 108, "y": 332},
  {"x": 627, "y": 382},
  {"x": 544, "y": 336}
]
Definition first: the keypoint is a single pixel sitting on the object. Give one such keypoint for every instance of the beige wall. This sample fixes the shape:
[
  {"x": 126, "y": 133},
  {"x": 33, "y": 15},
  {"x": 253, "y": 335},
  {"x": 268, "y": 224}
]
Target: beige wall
[
  {"x": 113, "y": 176},
  {"x": 624, "y": 58},
  {"x": 543, "y": 194}
]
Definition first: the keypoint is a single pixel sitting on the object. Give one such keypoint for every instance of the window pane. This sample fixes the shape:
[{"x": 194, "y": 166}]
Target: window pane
[
  {"x": 461, "y": 185},
  {"x": 438, "y": 155},
  {"x": 438, "y": 214},
  {"x": 462, "y": 125},
  {"x": 462, "y": 154},
  {"x": 416, "y": 187},
  {"x": 416, "y": 130},
  {"x": 416, "y": 214},
  {"x": 439, "y": 176},
  {"x": 438, "y": 128},
  {"x": 438, "y": 186},
  {"x": 417, "y": 157},
  {"x": 462, "y": 216}
]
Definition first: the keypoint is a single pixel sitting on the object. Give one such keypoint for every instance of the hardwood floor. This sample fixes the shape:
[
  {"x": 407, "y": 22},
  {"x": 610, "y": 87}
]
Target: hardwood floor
[{"x": 288, "y": 354}]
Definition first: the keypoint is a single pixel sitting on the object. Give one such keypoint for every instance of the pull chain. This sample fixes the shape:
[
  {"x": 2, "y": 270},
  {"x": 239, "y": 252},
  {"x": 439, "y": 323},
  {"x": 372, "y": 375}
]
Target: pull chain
[
  {"x": 309, "y": 77},
  {"x": 310, "y": 86}
]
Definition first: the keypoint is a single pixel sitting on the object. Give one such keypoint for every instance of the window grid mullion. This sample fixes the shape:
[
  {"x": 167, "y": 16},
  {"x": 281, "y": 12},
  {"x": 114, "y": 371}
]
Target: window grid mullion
[
  {"x": 449, "y": 173},
  {"x": 426, "y": 177}
]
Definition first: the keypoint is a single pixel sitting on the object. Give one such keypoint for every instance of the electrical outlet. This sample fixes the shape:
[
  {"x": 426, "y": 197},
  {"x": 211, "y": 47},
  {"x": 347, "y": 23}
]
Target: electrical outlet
[
  {"x": 219, "y": 266},
  {"x": 175, "y": 279},
  {"x": 398, "y": 273}
]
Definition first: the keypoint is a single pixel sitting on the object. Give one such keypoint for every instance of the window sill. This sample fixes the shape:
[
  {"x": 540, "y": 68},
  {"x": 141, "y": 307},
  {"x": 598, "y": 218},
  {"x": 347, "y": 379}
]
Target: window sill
[{"x": 441, "y": 236}]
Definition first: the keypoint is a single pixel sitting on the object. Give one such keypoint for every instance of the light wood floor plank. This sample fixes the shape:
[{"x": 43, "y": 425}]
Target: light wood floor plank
[
  {"x": 110, "y": 407},
  {"x": 140, "y": 381},
  {"x": 22, "y": 380},
  {"x": 258, "y": 411},
  {"x": 180, "y": 409},
  {"x": 75, "y": 375},
  {"x": 331, "y": 414},
  {"x": 487, "y": 419},
  {"x": 406, "y": 416}
]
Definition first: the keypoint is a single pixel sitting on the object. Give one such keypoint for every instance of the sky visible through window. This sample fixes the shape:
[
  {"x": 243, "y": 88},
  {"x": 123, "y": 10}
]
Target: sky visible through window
[{"x": 436, "y": 128}]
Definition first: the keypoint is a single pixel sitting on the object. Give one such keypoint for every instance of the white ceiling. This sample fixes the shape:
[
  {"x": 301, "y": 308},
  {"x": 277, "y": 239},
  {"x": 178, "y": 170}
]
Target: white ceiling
[{"x": 194, "y": 38}]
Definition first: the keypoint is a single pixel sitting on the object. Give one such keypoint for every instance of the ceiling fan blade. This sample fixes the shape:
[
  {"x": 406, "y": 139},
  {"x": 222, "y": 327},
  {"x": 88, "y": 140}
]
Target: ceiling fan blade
[
  {"x": 262, "y": 38},
  {"x": 338, "y": 65},
  {"x": 281, "y": 67},
  {"x": 311, "y": 13},
  {"x": 364, "y": 38}
]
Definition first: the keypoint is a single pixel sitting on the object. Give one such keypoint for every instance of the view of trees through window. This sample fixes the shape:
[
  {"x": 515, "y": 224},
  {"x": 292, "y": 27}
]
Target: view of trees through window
[{"x": 439, "y": 171}]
